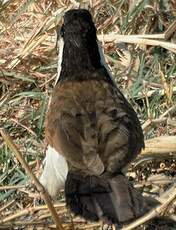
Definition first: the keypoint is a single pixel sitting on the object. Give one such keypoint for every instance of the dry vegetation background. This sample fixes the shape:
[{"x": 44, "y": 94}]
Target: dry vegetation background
[{"x": 145, "y": 70}]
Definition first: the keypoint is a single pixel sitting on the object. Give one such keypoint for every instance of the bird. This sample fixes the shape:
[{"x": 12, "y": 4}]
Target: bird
[{"x": 91, "y": 130}]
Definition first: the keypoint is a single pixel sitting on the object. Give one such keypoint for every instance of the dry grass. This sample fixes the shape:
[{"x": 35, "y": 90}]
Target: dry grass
[{"x": 145, "y": 70}]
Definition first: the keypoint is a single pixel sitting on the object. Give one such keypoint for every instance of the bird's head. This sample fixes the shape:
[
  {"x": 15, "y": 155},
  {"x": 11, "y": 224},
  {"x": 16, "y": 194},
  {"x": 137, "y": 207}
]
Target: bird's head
[
  {"x": 80, "y": 56},
  {"x": 78, "y": 28}
]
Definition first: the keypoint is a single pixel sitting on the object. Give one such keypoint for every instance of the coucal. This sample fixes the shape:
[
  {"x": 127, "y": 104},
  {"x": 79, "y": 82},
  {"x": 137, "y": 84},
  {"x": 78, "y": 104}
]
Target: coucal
[{"x": 92, "y": 132}]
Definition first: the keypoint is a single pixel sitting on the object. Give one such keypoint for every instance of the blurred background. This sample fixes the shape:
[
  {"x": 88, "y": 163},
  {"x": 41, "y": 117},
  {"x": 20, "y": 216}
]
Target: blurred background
[{"x": 144, "y": 67}]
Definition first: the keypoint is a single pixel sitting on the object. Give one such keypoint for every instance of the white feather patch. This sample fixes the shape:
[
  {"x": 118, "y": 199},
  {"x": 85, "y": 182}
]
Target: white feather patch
[
  {"x": 61, "y": 48},
  {"x": 54, "y": 173}
]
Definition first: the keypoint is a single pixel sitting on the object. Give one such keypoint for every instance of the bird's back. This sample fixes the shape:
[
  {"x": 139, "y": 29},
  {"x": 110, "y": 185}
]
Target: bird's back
[{"x": 93, "y": 126}]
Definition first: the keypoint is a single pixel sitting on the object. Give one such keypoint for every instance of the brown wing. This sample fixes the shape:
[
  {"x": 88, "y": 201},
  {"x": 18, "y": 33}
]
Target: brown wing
[{"x": 93, "y": 126}]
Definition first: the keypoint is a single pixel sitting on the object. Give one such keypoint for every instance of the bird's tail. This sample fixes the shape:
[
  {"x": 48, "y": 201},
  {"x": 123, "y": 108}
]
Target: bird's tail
[
  {"x": 112, "y": 199},
  {"x": 54, "y": 173}
]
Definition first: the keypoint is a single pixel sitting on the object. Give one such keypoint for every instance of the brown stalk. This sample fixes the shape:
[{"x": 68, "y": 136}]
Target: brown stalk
[
  {"x": 7, "y": 205},
  {"x": 138, "y": 39},
  {"x": 40, "y": 188},
  {"x": 171, "y": 29},
  {"x": 160, "y": 145}
]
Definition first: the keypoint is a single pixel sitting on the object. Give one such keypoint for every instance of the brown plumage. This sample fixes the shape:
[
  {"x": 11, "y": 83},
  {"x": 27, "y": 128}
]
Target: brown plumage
[{"x": 91, "y": 124}]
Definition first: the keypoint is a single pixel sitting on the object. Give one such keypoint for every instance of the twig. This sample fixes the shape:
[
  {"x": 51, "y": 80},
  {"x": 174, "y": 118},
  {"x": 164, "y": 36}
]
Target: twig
[
  {"x": 27, "y": 223},
  {"x": 170, "y": 110},
  {"x": 81, "y": 226},
  {"x": 75, "y": 3},
  {"x": 38, "y": 36},
  {"x": 158, "y": 211},
  {"x": 40, "y": 188},
  {"x": 162, "y": 118},
  {"x": 7, "y": 187},
  {"x": 16, "y": 215},
  {"x": 166, "y": 86},
  {"x": 149, "y": 122},
  {"x": 24, "y": 126},
  {"x": 150, "y": 93},
  {"x": 46, "y": 214},
  {"x": 26, "y": 211},
  {"x": 172, "y": 28},
  {"x": 138, "y": 39},
  {"x": 7, "y": 205},
  {"x": 162, "y": 144},
  {"x": 114, "y": 36}
]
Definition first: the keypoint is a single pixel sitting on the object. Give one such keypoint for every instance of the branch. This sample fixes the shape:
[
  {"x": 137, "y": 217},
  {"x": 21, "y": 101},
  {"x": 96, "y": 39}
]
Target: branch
[
  {"x": 40, "y": 188},
  {"x": 160, "y": 145},
  {"x": 138, "y": 39}
]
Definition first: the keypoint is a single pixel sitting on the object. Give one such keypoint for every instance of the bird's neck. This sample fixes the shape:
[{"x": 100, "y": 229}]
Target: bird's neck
[{"x": 76, "y": 60}]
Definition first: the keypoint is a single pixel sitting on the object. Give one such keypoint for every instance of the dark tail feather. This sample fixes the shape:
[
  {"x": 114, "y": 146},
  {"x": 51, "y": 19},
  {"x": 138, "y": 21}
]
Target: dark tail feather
[{"x": 114, "y": 199}]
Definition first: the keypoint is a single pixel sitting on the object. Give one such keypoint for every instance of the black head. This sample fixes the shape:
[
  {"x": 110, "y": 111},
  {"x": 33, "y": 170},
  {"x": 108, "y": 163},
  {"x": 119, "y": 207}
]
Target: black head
[
  {"x": 80, "y": 57},
  {"x": 78, "y": 27}
]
